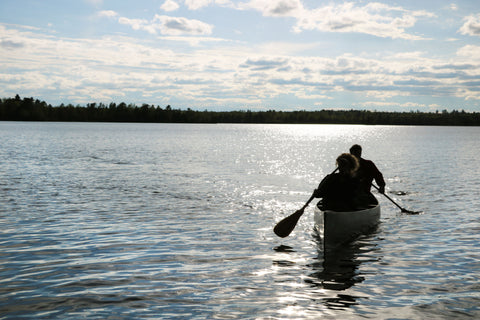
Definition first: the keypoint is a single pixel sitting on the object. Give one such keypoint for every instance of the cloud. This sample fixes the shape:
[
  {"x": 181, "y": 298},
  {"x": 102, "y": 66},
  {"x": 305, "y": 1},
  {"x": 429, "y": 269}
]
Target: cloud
[
  {"x": 197, "y": 4},
  {"x": 274, "y": 8},
  {"x": 471, "y": 26},
  {"x": 107, "y": 14},
  {"x": 470, "y": 53},
  {"x": 264, "y": 64},
  {"x": 11, "y": 44},
  {"x": 284, "y": 7},
  {"x": 179, "y": 26},
  {"x": 227, "y": 74},
  {"x": 193, "y": 41},
  {"x": 455, "y": 66},
  {"x": 167, "y": 25},
  {"x": 375, "y": 19},
  {"x": 169, "y": 5},
  {"x": 138, "y": 24}
]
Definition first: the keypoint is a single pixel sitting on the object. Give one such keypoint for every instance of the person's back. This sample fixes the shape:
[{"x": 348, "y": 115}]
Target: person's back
[
  {"x": 339, "y": 190},
  {"x": 367, "y": 171}
]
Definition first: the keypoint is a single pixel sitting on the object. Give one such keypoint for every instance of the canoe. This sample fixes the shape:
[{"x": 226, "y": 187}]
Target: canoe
[{"x": 336, "y": 228}]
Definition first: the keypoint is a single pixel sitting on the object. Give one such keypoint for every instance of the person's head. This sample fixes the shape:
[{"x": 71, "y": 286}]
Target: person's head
[
  {"x": 356, "y": 150},
  {"x": 347, "y": 163}
]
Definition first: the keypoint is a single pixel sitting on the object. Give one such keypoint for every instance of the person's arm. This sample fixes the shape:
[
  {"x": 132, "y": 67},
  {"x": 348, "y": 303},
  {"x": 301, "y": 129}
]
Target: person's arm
[
  {"x": 322, "y": 187},
  {"x": 378, "y": 176}
]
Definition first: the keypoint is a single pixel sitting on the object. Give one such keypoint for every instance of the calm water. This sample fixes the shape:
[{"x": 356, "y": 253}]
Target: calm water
[{"x": 152, "y": 221}]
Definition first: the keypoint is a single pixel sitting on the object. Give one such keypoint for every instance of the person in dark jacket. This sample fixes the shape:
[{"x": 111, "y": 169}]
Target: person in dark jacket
[
  {"x": 368, "y": 171},
  {"x": 340, "y": 191}
]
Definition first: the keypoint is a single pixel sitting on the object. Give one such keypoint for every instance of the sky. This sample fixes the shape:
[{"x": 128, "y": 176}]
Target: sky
[{"x": 223, "y": 55}]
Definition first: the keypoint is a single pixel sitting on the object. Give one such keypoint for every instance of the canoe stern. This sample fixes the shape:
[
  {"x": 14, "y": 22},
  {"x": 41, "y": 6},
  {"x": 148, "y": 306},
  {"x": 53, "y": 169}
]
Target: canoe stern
[{"x": 336, "y": 228}]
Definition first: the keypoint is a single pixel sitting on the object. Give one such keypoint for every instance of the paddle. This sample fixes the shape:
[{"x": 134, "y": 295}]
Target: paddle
[
  {"x": 403, "y": 209},
  {"x": 286, "y": 226}
]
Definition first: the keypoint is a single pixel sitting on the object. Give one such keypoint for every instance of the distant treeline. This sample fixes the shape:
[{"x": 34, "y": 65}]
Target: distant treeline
[{"x": 30, "y": 109}]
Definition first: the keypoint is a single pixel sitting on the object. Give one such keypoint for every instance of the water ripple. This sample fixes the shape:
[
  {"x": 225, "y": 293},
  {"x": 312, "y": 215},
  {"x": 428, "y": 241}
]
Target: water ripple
[{"x": 130, "y": 221}]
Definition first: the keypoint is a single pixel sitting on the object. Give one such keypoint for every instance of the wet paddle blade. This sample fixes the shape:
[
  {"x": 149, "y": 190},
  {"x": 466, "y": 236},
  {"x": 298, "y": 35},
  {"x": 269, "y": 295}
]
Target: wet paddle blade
[
  {"x": 410, "y": 212},
  {"x": 286, "y": 226}
]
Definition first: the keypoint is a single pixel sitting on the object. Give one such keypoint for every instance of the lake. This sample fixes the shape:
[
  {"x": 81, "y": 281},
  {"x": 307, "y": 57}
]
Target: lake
[{"x": 174, "y": 221}]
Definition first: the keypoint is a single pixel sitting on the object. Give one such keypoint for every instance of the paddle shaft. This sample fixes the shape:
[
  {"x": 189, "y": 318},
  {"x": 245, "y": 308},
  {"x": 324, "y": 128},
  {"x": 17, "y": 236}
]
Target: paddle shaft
[
  {"x": 386, "y": 196},
  {"x": 308, "y": 202}
]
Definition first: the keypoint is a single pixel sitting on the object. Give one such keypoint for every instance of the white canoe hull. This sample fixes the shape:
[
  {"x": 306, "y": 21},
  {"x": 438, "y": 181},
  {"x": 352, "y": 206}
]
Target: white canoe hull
[{"x": 336, "y": 228}]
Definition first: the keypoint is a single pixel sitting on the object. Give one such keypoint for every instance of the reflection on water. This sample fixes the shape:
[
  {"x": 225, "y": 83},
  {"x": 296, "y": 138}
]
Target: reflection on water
[
  {"x": 332, "y": 278},
  {"x": 283, "y": 248},
  {"x": 339, "y": 269}
]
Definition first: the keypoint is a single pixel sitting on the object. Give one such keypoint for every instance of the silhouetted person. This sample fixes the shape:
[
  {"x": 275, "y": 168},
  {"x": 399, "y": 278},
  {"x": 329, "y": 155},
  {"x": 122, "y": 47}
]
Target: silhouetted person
[
  {"x": 341, "y": 191},
  {"x": 367, "y": 171}
]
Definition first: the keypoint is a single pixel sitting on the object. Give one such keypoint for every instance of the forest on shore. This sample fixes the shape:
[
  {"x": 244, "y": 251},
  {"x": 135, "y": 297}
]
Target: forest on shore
[{"x": 30, "y": 109}]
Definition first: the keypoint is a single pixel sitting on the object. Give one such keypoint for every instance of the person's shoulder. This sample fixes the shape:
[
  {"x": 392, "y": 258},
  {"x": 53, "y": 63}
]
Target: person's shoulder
[
  {"x": 331, "y": 176},
  {"x": 367, "y": 162},
  {"x": 328, "y": 177}
]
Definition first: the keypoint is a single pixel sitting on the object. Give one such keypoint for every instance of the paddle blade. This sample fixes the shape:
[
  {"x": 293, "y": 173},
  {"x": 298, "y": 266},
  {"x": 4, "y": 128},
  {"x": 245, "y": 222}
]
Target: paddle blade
[
  {"x": 410, "y": 212},
  {"x": 286, "y": 226}
]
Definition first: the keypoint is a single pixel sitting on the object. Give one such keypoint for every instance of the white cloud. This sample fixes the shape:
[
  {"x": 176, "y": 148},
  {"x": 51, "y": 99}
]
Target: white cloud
[
  {"x": 167, "y": 25},
  {"x": 197, "y": 4},
  {"x": 470, "y": 52},
  {"x": 179, "y": 25},
  {"x": 169, "y": 5},
  {"x": 471, "y": 26},
  {"x": 406, "y": 105},
  {"x": 290, "y": 8},
  {"x": 376, "y": 19},
  {"x": 194, "y": 41},
  {"x": 138, "y": 24},
  {"x": 225, "y": 74},
  {"x": 107, "y": 14}
]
